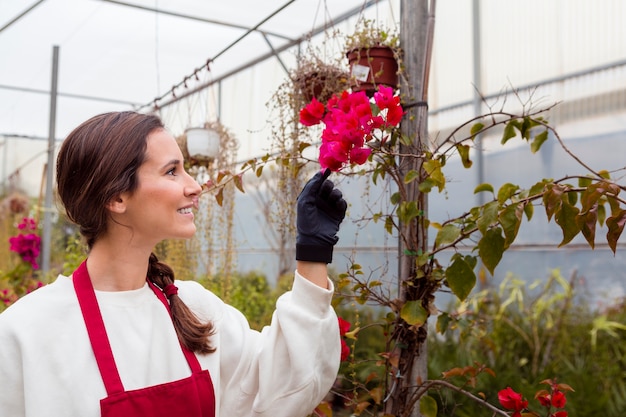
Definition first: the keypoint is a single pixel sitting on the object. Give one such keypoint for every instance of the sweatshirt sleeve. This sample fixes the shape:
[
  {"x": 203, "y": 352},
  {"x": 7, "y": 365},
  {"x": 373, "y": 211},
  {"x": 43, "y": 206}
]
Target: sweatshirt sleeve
[{"x": 290, "y": 366}]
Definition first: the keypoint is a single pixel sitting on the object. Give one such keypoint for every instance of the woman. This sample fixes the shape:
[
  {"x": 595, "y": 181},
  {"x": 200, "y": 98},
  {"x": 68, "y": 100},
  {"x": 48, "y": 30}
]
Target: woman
[{"x": 107, "y": 341}]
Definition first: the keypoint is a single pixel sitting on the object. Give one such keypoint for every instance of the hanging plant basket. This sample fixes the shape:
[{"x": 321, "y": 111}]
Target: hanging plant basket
[
  {"x": 319, "y": 80},
  {"x": 371, "y": 67}
]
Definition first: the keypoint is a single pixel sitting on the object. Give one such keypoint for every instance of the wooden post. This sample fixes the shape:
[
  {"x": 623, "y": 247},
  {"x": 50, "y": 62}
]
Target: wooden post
[{"x": 416, "y": 30}]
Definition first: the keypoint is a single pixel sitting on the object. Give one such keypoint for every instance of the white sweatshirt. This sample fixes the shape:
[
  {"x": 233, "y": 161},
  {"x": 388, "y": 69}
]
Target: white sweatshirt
[{"x": 47, "y": 366}]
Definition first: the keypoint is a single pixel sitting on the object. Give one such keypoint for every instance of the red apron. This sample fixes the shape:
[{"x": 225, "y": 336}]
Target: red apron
[{"x": 188, "y": 397}]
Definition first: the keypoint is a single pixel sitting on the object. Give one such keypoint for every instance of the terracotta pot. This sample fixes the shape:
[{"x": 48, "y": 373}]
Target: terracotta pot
[{"x": 371, "y": 67}]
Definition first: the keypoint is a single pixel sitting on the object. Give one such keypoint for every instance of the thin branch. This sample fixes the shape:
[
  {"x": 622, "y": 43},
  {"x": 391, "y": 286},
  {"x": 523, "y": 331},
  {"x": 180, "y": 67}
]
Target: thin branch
[{"x": 432, "y": 383}]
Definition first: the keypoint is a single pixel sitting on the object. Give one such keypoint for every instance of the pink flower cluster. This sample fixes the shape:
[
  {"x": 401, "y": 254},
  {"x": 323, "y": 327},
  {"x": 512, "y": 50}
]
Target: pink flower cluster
[
  {"x": 350, "y": 121},
  {"x": 27, "y": 245},
  {"x": 552, "y": 400},
  {"x": 8, "y": 297}
]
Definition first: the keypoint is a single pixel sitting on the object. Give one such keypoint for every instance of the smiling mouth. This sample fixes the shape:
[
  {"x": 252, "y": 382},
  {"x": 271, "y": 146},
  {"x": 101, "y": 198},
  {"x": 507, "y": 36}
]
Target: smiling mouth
[{"x": 184, "y": 210}]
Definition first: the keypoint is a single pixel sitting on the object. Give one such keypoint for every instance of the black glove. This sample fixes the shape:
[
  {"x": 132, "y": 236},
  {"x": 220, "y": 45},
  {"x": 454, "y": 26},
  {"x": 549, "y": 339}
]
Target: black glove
[{"x": 321, "y": 208}]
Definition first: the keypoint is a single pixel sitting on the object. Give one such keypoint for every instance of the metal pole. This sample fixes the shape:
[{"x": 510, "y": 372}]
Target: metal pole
[
  {"x": 47, "y": 208},
  {"x": 477, "y": 101}
]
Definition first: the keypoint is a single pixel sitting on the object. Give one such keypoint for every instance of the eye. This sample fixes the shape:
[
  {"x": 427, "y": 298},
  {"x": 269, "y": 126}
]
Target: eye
[{"x": 171, "y": 171}]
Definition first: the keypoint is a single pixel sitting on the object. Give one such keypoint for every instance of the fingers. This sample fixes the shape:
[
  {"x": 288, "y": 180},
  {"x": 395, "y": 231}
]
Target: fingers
[{"x": 325, "y": 189}]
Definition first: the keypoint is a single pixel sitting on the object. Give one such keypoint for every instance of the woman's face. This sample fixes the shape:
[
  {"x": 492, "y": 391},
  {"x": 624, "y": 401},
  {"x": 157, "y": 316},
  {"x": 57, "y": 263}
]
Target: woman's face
[{"x": 161, "y": 206}]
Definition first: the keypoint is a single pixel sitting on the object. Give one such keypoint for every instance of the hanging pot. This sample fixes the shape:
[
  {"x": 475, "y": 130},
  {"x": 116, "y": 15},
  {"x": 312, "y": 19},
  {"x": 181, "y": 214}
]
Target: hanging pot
[
  {"x": 371, "y": 67},
  {"x": 322, "y": 84}
]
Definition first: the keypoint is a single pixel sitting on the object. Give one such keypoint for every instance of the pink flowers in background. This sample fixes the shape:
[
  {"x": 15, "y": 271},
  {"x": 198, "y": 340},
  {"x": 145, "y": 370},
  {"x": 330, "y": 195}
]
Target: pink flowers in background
[
  {"x": 27, "y": 244},
  {"x": 351, "y": 120},
  {"x": 552, "y": 400},
  {"x": 512, "y": 400},
  {"x": 344, "y": 327}
]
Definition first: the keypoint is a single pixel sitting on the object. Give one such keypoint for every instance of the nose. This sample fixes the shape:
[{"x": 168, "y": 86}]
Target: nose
[{"x": 192, "y": 188}]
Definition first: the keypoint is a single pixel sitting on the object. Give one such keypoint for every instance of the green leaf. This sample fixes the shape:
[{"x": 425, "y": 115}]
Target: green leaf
[
  {"x": 529, "y": 210},
  {"x": 428, "y": 406},
  {"x": 491, "y": 247},
  {"x": 407, "y": 211},
  {"x": 443, "y": 321},
  {"x": 433, "y": 169},
  {"x": 411, "y": 176},
  {"x": 483, "y": 187},
  {"x": 538, "y": 188},
  {"x": 414, "y": 313},
  {"x": 507, "y": 191},
  {"x": 389, "y": 225},
  {"x": 538, "y": 141},
  {"x": 476, "y": 129},
  {"x": 615, "y": 224},
  {"x": 489, "y": 215},
  {"x": 464, "y": 151},
  {"x": 565, "y": 217},
  {"x": 461, "y": 278},
  {"x": 601, "y": 214},
  {"x": 524, "y": 129},
  {"x": 426, "y": 186},
  {"x": 584, "y": 182},
  {"x": 509, "y": 131},
  {"x": 447, "y": 234},
  {"x": 511, "y": 219}
]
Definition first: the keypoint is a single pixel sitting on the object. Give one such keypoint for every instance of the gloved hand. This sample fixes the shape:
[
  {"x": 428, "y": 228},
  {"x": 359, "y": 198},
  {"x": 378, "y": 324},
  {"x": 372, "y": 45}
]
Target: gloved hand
[{"x": 320, "y": 210}]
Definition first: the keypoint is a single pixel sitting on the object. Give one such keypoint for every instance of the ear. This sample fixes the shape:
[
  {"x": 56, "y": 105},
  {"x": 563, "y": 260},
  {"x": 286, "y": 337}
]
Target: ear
[{"x": 117, "y": 204}]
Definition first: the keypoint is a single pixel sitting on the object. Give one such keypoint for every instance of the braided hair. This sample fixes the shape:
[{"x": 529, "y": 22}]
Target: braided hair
[{"x": 192, "y": 333}]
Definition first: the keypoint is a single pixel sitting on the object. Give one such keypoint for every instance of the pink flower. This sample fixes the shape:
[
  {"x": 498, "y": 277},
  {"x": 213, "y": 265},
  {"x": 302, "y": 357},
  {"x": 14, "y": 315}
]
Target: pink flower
[
  {"x": 344, "y": 326},
  {"x": 27, "y": 223},
  {"x": 558, "y": 399},
  {"x": 312, "y": 113},
  {"x": 512, "y": 400},
  {"x": 351, "y": 120},
  {"x": 360, "y": 155},
  {"x": 27, "y": 246}
]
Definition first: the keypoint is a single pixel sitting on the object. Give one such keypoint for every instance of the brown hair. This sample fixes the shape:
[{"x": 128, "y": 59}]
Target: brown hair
[{"x": 97, "y": 162}]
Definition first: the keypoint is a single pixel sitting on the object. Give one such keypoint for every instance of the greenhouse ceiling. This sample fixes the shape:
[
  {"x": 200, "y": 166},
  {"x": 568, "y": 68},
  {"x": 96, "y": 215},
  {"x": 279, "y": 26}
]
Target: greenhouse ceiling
[{"x": 133, "y": 54}]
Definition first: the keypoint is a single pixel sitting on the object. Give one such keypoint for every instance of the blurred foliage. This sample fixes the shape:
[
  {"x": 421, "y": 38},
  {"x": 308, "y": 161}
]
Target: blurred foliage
[{"x": 528, "y": 333}]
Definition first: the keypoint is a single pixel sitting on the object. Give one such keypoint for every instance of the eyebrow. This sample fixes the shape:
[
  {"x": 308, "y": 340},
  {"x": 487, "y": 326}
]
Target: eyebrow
[{"x": 172, "y": 162}]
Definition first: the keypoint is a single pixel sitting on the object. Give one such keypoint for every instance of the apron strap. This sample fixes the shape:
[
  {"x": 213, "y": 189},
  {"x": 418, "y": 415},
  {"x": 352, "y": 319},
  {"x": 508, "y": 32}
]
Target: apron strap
[
  {"x": 189, "y": 355},
  {"x": 96, "y": 330}
]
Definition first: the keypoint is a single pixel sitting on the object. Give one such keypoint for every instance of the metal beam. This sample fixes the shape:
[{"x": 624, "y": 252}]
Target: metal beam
[
  {"x": 320, "y": 29},
  {"x": 69, "y": 95},
  {"x": 196, "y": 18},
  {"x": 19, "y": 16}
]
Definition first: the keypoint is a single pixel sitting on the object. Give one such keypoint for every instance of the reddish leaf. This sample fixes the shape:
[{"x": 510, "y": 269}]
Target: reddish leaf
[
  {"x": 586, "y": 222},
  {"x": 219, "y": 197},
  {"x": 239, "y": 182},
  {"x": 615, "y": 224},
  {"x": 566, "y": 219},
  {"x": 552, "y": 199}
]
